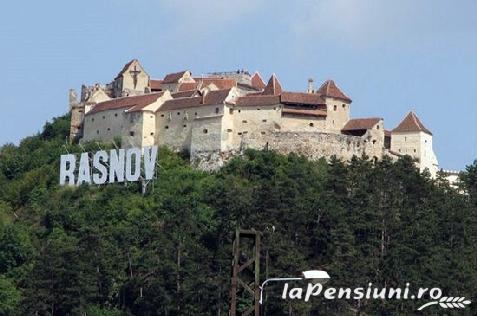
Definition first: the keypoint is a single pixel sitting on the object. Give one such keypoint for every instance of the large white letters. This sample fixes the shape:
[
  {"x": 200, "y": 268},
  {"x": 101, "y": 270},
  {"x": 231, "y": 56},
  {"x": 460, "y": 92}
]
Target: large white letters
[
  {"x": 150, "y": 156},
  {"x": 103, "y": 172},
  {"x": 130, "y": 176},
  {"x": 84, "y": 174},
  {"x": 116, "y": 165},
  {"x": 67, "y": 169},
  {"x": 101, "y": 167}
]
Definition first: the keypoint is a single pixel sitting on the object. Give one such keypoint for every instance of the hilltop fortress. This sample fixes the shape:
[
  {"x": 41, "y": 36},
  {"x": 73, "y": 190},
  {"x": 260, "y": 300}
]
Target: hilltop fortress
[{"x": 216, "y": 116}]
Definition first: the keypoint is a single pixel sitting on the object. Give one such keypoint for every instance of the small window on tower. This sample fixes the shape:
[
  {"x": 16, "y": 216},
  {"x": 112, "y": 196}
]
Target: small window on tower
[
  {"x": 216, "y": 110},
  {"x": 344, "y": 106},
  {"x": 415, "y": 150},
  {"x": 116, "y": 114},
  {"x": 244, "y": 121},
  {"x": 162, "y": 115},
  {"x": 311, "y": 124},
  {"x": 231, "y": 111},
  {"x": 205, "y": 131},
  {"x": 166, "y": 127},
  {"x": 97, "y": 132},
  {"x": 92, "y": 119},
  {"x": 152, "y": 133},
  {"x": 335, "y": 107},
  {"x": 131, "y": 133}
]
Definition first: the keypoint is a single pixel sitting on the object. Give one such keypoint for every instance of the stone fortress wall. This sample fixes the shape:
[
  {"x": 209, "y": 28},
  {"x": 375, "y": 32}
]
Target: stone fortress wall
[{"x": 314, "y": 145}]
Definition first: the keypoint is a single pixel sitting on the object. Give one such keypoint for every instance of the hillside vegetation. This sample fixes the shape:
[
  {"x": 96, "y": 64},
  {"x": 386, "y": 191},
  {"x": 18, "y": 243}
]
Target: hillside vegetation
[{"x": 110, "y": 250}]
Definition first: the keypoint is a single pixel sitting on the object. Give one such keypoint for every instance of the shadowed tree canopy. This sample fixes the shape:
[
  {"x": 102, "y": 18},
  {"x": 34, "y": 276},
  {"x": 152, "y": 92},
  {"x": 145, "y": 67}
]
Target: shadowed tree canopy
[{"x": 112, "y": 251}]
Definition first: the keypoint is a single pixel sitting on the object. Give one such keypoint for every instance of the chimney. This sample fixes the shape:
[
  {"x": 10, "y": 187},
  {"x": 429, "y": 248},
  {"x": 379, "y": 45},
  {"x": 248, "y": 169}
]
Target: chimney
[{"x": 310, "y": 86}]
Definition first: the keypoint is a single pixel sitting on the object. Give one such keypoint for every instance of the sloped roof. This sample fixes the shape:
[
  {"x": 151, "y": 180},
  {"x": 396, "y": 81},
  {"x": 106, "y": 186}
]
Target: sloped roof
[
  {"x": 331, "y": 90},
  {"x": 301, "y": 98},
  {"x": 126, "y": 67},
  {"x": 187, "y": 86},
  {"x": 136, "y": 102},
  {"x": 180, "y": 103},
  {"x": 184, "y": 94},
  {"x": 257, "y": 100},
  {"x": 174, "y": 77},
  {"x": 216, "y": 97},
  {"x": 211, "y": 98},
  {"x": 155, "y": 84},
  {"x": 304, "y": 112},
  {"x": 257, "y": 81},
  {"x": 361, "y": 123},
  {"x": 220, "y": 83},
  {"x": 411, "y": 123},
  {"x": 273, "y": 86}
]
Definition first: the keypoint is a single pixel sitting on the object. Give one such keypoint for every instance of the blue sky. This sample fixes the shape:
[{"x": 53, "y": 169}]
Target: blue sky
[{"x": 388, "y": 56}]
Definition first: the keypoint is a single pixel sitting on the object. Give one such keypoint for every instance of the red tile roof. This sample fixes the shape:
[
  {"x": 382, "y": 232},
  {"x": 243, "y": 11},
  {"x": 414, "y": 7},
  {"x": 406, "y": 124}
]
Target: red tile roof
[
  {"x": 187, "y": 86},
  {"x": 180, "y": 103},
  {"x": 411, "y": 123},
  {"x": 174, "y": 77},
  {"x": 155, "y": 84},
  {"x": 220, "y": 83},
  {"x": 136, "y": 102},
  {"x": 330, "y": 89},
  {"x": 301, "y": 98},
  {"x": 273, "y": 86},
  {"x": 184, "y": 94},
  {"x": 257, "y": 81},
  {"x": 303, "y": 112},
  {"x": 211, "y": 98},
  {"x": 362, "y": 123},
  {"x": 248, "y": 87},
  {"x": 257, "y": 100},
  {"x": 216, "y": 97}
]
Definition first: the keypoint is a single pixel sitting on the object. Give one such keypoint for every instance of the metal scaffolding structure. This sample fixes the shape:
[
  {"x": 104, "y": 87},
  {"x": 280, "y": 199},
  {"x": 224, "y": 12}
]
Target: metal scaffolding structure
[{"x": 246, "y": 272}]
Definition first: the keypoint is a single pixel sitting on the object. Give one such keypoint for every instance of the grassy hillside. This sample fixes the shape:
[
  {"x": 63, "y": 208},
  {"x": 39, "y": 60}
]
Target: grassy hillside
[{"x": 111, "y": 251}]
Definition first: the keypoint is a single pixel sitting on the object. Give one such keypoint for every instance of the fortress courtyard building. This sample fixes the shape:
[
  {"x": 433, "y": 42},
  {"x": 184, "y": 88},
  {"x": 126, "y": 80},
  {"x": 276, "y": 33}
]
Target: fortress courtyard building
[{"x": 218, "y": 115}]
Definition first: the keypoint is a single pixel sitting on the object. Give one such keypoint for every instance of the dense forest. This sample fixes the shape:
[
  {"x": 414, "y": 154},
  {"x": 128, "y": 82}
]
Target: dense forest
[{"x": 112, "y": 251}]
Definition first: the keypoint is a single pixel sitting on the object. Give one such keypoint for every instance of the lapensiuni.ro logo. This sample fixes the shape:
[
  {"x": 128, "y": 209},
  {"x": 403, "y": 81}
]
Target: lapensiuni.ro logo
[{"x": 311, "y": 289}]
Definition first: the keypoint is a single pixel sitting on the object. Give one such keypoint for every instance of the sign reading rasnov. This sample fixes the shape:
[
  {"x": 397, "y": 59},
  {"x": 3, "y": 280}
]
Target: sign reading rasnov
[{"x": 117, "y": 165}]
